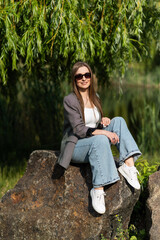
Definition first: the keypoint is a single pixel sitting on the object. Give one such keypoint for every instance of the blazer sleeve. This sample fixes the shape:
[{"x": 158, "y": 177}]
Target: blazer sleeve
[{"x": 73, "y": 115}]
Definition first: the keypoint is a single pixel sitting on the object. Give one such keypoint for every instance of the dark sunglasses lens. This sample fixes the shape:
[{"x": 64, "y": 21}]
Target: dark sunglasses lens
[
  {"x": 87, "y": 75},
  {"x": 78, "y": 77}
]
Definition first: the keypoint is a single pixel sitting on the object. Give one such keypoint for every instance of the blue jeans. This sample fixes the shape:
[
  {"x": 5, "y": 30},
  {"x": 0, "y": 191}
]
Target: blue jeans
[{"x": 97, "y": 151}]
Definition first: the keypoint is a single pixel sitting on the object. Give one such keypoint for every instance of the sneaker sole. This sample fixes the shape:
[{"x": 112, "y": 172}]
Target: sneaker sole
[{"x": 126, "y": 177}]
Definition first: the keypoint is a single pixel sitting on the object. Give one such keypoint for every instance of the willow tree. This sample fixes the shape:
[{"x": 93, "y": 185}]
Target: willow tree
[
  {"x": 39, "y": 42},
  {"x": 107, "y": 34}
]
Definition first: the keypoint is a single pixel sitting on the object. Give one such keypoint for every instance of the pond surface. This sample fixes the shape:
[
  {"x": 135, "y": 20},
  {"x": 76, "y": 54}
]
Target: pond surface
[
  {"x": 140, "y": 107},
  {"x": 33, "y": 123}
]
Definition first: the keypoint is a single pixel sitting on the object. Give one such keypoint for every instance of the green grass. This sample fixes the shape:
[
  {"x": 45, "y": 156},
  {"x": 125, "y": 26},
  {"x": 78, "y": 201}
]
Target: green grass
[{"x": 9, "y": 176}]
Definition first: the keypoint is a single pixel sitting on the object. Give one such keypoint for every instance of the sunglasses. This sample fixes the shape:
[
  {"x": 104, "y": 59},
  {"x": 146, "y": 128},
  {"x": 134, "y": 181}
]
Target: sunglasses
[{"x": 80, "y": 76}]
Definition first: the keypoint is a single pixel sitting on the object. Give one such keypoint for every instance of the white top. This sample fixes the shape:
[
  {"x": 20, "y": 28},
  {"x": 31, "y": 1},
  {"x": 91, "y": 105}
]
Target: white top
[{"x": 92, "y": 117}]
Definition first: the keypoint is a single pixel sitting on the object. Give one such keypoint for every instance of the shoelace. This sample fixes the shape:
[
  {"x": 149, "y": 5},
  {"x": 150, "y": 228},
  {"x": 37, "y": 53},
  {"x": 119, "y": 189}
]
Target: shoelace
[
  {"x": 100, "y": 196},
  {"x": 134, "y": 173}
]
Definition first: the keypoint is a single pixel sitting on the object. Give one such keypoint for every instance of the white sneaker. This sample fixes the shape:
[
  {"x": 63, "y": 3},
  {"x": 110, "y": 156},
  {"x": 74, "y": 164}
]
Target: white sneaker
[
  {"x": 130, "y": 174},
  {"x": 98, "y": 202}
]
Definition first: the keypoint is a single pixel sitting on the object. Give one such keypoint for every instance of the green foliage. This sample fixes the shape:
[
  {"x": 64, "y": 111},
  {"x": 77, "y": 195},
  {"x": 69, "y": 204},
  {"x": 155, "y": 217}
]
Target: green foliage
[
  {"x": 135, "y": 234},
  {"x": 40, "y": 40},
  {"x": 10, "y": 175},
  {"x": 146, "y": 166},
  {"x": 124, "y": 234},
  {"x": 145, "y": 170},
  {"x": 121, "y": 234},
  {"x": 108, "y": 33}
]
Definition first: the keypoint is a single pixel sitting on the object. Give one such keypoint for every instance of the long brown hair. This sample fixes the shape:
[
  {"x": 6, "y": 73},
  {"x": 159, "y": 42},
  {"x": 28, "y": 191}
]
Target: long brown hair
[{"x": 94, "y": 99}]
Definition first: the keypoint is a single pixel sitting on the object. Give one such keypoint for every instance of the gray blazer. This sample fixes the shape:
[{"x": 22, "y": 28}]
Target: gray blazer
[{"x": 74, "y": 128}]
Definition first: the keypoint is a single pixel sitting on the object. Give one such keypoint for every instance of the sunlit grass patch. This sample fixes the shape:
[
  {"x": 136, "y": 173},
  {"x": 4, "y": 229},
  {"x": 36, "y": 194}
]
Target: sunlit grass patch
[{"x": 9, "y": 176}]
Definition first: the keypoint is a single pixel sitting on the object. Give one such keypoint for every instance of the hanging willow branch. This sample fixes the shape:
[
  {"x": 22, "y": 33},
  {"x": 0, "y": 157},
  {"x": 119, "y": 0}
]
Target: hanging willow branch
[
  {"x": 53, "y": 38},
  {"x": 105, "y": 32}
]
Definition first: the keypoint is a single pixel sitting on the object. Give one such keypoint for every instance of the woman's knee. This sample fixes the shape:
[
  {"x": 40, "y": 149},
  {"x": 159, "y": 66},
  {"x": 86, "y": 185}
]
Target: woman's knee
[
  {"x": 101, "y": 140},
  {"x": 119, "y": 119}
]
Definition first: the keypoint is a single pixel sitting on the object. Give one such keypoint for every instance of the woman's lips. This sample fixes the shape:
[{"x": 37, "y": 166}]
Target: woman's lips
[{"x": 84, "y": 83}]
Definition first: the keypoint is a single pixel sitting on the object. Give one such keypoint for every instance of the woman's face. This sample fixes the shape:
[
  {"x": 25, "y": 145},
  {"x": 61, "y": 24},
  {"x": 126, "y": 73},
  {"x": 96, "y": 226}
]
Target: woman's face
[{"x": 83, "y": 78}]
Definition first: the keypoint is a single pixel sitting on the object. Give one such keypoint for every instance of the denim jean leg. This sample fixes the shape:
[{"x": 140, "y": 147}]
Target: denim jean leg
[
  {"x": 96, "y": 150},
  {"x": 127, "y": 146}
]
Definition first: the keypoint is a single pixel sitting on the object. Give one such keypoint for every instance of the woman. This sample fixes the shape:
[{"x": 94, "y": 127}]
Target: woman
[{"x": 88, "y": 137}]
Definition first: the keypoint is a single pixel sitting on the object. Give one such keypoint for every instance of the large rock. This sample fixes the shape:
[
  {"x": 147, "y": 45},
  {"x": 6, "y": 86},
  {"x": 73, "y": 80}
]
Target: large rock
[
  {"x": 41, "y": 208},
  {"x": 153, "y": 207}
]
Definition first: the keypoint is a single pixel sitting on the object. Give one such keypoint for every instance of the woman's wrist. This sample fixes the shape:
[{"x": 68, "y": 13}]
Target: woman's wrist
[{"x": 100, "y": 132}]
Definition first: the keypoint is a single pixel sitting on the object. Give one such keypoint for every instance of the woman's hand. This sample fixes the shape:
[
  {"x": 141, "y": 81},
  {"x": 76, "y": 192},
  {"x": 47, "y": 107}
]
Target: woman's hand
[
  {"x": 113, "y": 137},
  {"x": 105, "y": 121}
]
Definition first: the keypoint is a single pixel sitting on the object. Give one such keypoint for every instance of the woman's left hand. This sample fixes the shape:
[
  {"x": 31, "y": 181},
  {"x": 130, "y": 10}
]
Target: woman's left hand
[{"x": 105, "y": 121}]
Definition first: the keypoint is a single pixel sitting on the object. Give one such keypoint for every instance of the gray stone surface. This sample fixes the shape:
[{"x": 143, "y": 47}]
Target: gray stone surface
[
  {"x": 153, "y": 207},
  {"x": 39, "y": 208}
]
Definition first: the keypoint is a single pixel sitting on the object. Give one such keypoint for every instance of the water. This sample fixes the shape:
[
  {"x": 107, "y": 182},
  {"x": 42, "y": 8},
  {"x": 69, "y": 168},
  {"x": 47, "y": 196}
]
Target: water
[
  {"x": 140, "y": 107},
  {"x": 34, "y": 124}
]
